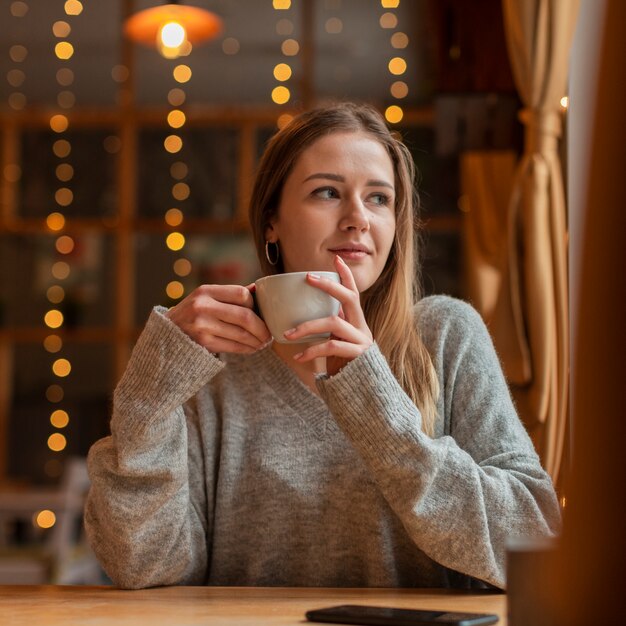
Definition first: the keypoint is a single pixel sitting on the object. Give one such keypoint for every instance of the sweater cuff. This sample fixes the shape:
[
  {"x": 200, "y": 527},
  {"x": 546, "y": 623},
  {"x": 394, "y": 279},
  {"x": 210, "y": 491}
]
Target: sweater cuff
[
  {"x": 166, "y": 368},
  {"x": 371, "y": 407}
]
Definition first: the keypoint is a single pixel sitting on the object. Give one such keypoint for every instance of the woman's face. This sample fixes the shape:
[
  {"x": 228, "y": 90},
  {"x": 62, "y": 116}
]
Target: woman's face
[{"x": 339, "y": 199}]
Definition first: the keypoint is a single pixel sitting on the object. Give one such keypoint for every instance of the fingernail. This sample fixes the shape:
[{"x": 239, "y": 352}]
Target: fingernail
[
  {"x": 314, "y": 276},
  {"x": 297, "y": 356},
  {"x": 341, "y": 260},
  {"x": 290, "y": 331}
]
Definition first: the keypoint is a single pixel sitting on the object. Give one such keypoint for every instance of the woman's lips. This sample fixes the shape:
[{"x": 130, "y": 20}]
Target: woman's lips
[{"x": 350, "y": 254}]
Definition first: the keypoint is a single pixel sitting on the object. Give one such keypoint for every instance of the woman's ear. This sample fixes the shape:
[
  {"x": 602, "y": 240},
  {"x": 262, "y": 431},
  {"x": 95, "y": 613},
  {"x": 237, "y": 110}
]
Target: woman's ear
[{"x": 271, "y": 233}]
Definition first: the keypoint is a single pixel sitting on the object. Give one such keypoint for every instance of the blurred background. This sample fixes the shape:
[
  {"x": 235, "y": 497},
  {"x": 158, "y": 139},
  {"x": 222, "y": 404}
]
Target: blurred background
[
  {"x": 127, "y": 153},
  {"x": 126, "y": 174}
]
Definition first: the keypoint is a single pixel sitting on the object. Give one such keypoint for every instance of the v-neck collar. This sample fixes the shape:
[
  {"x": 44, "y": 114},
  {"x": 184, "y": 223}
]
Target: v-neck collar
[{"x": 310, "y": 409}]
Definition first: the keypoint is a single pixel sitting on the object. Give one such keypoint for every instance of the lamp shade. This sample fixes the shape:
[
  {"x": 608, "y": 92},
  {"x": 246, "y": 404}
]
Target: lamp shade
[{"x": 200, "y": 25}]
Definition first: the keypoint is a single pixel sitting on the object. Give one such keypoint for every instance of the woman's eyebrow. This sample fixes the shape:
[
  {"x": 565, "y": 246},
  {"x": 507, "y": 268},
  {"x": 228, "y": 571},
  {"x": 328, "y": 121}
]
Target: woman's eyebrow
[{"x": 341, "y": 179}]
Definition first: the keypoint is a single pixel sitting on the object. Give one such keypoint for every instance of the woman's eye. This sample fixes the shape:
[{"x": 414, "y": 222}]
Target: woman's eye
[
  {"x": 326, "y": 193},
  {"x": 381, "y": 199}
]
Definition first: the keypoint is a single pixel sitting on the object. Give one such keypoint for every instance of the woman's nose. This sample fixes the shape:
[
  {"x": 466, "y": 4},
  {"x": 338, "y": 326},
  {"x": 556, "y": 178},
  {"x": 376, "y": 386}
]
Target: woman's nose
[{"x": 355, "y": 216}]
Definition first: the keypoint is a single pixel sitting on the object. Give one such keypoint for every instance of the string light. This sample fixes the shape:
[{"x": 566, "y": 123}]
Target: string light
[
  {"x": 397, "y": 65},
  {"x": 289, "y": 47},
  {"x": 180, "y": 190},
  {"x": 17, "y": 53},
  {"x": 64, "y": 244}
]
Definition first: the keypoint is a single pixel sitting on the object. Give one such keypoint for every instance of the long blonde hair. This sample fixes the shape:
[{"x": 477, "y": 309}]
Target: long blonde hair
[{"x": 389, "y": 303}]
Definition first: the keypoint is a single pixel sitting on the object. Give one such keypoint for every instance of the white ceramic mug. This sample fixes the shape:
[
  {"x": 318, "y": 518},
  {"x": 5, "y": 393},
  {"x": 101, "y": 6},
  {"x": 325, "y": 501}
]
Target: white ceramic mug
[{"x": 286, "y": 300}]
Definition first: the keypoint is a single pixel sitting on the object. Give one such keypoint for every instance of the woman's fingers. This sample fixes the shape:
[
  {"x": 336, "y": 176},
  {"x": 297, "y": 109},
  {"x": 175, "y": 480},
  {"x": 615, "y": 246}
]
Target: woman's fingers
[
  {"x": 335, "y": 348},
  {"x": 346, "y": 292},
  {"x": 220, "y": 318},
  {"x": 336, "y": 326}
]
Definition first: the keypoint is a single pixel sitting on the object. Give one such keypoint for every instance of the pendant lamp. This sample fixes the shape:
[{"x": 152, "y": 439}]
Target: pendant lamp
[{"x": 172, "y": 28}]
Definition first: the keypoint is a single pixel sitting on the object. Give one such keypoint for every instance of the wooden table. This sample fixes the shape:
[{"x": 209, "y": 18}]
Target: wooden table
[{"x": 217, "y": 606}]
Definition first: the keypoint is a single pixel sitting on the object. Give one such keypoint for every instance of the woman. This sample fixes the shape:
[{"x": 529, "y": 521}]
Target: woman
[{"x": 389, "y": 455}]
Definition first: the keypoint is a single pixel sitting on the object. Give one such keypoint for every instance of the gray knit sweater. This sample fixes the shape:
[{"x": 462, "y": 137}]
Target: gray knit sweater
[{"x": 230, "y": 471}]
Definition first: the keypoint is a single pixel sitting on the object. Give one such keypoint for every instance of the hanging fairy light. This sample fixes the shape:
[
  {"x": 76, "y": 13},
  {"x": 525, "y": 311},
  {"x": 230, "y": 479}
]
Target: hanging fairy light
[
  {"x": 64, "y": 244},
  {"x": 17, "y": 53},
  {"x": 282, "y": 72},
  {"x": 397, "y": 65}
]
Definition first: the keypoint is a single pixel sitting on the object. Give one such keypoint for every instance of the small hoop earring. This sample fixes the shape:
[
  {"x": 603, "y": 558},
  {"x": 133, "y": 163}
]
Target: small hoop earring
[{"x": 267, "y": 252}]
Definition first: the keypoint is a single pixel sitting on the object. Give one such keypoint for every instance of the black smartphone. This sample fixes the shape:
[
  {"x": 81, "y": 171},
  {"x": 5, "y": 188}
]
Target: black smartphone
[{"x": 384, "y": 616}]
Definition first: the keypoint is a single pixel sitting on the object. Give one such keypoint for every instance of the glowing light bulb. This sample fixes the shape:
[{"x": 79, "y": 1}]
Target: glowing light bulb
[{"x": 172, "y": 40}]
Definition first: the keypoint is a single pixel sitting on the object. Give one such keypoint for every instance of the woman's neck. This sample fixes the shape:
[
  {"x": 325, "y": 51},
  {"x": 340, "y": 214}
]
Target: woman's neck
[{"x": 305, "y": 371}]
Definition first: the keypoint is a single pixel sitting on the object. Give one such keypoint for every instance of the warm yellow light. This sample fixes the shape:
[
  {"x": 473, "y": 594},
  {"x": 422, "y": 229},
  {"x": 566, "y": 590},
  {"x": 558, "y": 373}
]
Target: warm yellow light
[
  {"x": 388, "y": 20},
  {"x": 280, "y": 95},
  {"x": 64, "y": 172},
  {"x": 564, "y": 102},
  {"x": 59, "y": 123},
  {"x": 172, "y": 34},
  {"x": 230, "y": 46},
  {"x": 64, "y": 196},
  {"x": 44, "y": 519},
  {"x": 60, "y": 270},
  {"x": 18, "y": 53},
  {"x": 175, "y": 241},
  {"x": 73, "y": 7},
  {"x": 173, "y": 144},
  {"x": 19, "y": 8},
  {"x": 65, "y": 76},
  {"x": 399, "y": 40},
  {"x": 397, "y": 66},
  {"x": 182, "y": 267},
  {"x": 59, "y": 418},
  {"x": 180, "y": 191},
  {"x": 61, "y": 368},
  {"x": 284, "y": 27},
  {"x": 66, "y": 99},
  {"x": 393, "y": 114},
  {"x": 52, "y": 343},
  {"x": 176, "y": 118},
  {"x": 55, "y": 294},
  {"x": 54, "y": 393},
  {"x": 333, "y": 26},
  {"x": 178, "y": 170},
  {"x": 61, "y": 29},
  {"x": 290, "y": 47},
  {"x": 399, "y": 89},
  {"x": 53, "y": 318},
  {"x": 176, "y": 97},
  {"x": 182, "y": 73},
  {"x": 174, "y": 217},
  {"x": 64, "y": 245},
  {"x": 15, "y": 77},
  {"x": 283, "y": 120},
  {"x": 61, "y": 148},
  {"x": 281, "y": 5},
  {"x": 57, "y": 442},
  {"x": 390, "y": 4},
  {"x": 64, "y": 50},
  {"x": 282, "y": 72},
  {"x": 175, "y": 289},
  {"x": 55, "y": 221},
  {"x": 17, "y": 101}
]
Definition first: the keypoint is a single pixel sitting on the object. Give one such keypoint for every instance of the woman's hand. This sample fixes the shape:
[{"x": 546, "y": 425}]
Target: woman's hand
[
  {"x": 220, "y": 318},
  {"x": 349, "y": 334}
]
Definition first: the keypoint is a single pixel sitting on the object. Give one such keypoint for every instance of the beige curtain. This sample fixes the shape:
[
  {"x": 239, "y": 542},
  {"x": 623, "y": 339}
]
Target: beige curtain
[
  {"x": 530, "y": 319},
  {"x": 486, "y": 182}
]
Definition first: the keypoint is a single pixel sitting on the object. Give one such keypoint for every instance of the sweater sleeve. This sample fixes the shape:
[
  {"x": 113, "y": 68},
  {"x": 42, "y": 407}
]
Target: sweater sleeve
[
  {"x": 460, "y": 496},
  {"x": 145, "y": 515}
]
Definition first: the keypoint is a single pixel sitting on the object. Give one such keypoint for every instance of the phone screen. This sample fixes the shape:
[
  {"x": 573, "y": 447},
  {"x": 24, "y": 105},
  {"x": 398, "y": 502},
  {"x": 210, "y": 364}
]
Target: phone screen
[{"x": 386, "y": 616}]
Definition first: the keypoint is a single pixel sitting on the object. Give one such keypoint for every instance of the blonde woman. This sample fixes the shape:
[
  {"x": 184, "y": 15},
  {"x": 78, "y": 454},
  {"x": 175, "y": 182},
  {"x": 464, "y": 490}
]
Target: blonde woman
[{"x": 389, "y": 455}]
